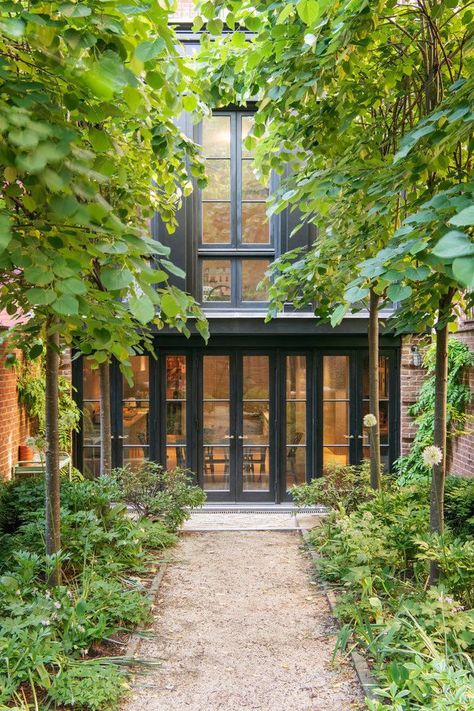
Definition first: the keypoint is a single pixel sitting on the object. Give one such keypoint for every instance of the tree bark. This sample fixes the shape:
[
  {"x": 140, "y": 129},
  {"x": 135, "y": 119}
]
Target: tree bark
[
  {"x": 375, "y": 465},
  {"x": 440, "y": 428},
  {"x": 52, "y": 476},
  {"x": 105, "y": 420}
]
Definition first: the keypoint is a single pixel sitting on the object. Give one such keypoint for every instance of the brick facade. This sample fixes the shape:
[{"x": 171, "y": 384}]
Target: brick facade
[
  {"x": 461, "y": 454},
  {"x": 461, "y": 449},
  {"x": 14, "y": 423}
]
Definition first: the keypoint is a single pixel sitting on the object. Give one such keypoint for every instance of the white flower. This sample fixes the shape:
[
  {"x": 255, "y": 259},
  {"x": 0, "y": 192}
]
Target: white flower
[
  {"x": 57, "y": 605},
  {"x": 45, "y": 623},
  {"x": 432, "y": 455},
  {"x": 370, "y": 420},
  {"x": 81, "y": 628}
]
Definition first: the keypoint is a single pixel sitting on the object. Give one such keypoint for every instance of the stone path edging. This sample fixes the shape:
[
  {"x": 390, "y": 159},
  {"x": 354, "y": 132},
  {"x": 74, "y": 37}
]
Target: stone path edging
[
  {"x": 152, "y": 591},
  {"x": 365, "y": 676}
]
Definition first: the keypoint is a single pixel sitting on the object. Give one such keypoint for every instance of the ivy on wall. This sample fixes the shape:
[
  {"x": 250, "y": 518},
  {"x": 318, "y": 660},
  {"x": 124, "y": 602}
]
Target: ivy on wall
[{"x": 410, "y": 467}]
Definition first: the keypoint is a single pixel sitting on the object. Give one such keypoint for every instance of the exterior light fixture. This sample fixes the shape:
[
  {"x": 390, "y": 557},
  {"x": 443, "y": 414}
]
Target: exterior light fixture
[{"x": 415, "y": 357}]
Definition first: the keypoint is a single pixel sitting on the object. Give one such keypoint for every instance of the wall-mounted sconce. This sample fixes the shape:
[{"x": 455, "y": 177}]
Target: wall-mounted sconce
[{"x": 415, "y": 357}]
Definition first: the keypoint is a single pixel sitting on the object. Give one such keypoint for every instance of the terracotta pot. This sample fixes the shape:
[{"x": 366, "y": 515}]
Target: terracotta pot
[{"x": 25, "y": 454}]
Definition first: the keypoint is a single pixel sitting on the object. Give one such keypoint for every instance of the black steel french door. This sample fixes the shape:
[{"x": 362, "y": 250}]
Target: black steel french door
[
  {"x": 250, "y": 423},
  {"x": 237, "y": 426},
  {"x": 342, "y": 400}
]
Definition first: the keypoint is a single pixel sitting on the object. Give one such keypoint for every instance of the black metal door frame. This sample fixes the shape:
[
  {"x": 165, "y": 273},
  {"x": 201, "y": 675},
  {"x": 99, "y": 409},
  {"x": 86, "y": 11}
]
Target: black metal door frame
[{"x": 277, "y": 355}]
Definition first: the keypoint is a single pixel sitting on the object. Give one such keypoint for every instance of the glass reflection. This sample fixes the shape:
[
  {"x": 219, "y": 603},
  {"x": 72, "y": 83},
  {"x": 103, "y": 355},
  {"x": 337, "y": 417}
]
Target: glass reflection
[
  {"x": 295, "y": 420},
  {"x": 335, "y": 410},
  {"x": 253, "y": 272},
  {"x": 256, "y": 423},
  {"x": 135, "y": 411},
  {"x": 256, "y": 468},
  {"x": 255, "y": 228},
  {"x": 216, "y": 280},
  {"x": 216, "y": 422},
  {"x": 252, "y": 189},
  {"x": 216, "y": 136},
  {"x": 90, "y": 381},
  {"x": 216, "y": 222},
  {"x": 176, "y": 411},
  {"x": 91, "y": 462},
  {"x": 218, "y": 180}
]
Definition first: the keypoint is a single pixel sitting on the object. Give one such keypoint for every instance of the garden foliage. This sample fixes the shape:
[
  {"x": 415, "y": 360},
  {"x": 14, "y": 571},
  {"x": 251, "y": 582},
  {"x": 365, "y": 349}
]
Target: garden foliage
[
  {"x": 418, "y": 640},
  {"x": 163, "y": 495},
  {"x": 51, "y": 641},
  {"x": 410, "y": 467}
]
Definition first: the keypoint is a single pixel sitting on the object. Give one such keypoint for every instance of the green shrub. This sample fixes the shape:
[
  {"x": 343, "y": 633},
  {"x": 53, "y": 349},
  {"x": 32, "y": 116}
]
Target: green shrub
[
  {"x": 152, "y": 491},
  {"x": 44, "y": 634},
  {"x": 93, "y": 685},
  {"x": 378, "y": 555},
  {"x": 340, "y": 486},
  {"x": 459, "y": 505}
]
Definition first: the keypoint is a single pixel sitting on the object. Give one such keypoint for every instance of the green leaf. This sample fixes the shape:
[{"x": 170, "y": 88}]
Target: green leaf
[
  {"x": 66, "y": 305},
  {"x": 355, "y": 294},
  {"x": 36, "y": 351},
  {"x": 453, "y": 244},
  {"x": 169, "y": 305},
  {"x": 463, "y": 218},
  {"x": 40, "y": 297},
  {"x": 5, "y": 231},
  {"x": 308, "y": 11},
  {"x": 149, "y": 49},
  {"x": 398, "y": 292},
  {"x": 215, "y": 26},
  {"x": 173, "y": 269},
  {"x": 72, "y": 286},
  {"x": 189, "y": 102},
  {"x": 116, "y": 279},
  {"x": 74, "y": 10},
  {"x": 463, "y": 270},
  {"x": 338, "y": 314},
  {"x": 286, "y": 12},
  {"x": 142, "y": 308},
  {"x": 12, "y": 28}
]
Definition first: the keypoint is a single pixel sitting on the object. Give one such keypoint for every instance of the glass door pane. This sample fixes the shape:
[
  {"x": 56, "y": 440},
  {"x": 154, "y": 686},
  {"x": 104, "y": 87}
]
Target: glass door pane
[
  {"x": 90, "y": 419},
  {"x": 255, "y": 435},
  {"x": 384, "y": 364},
  {"x": 336, "y": 436},
  {"x": 135, "y": 411},
  {"x": 176, "y": 393},
  {"x": 296, "y": 403},
  {"x": 217, "y": 437}
]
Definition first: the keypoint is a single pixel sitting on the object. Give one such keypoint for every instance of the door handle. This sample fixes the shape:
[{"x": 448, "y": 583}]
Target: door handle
[
  {"x": 243, "y": 437},
  {"x": 349, "y": 436},
  {"x": 229, "y": 436},
  {"x": 360, "y": 436},
  {"x": 122, "y": 437}
]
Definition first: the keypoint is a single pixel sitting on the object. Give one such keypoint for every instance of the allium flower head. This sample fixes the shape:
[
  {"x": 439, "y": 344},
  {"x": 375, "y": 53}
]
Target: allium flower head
[
  {"x": 370, "y": 420},
  {"x": 432, "y": 455}
]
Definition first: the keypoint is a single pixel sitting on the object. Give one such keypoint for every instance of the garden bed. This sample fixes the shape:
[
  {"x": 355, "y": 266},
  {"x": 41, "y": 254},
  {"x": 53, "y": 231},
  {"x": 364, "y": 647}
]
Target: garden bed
[{"x": 67, "y": 646}]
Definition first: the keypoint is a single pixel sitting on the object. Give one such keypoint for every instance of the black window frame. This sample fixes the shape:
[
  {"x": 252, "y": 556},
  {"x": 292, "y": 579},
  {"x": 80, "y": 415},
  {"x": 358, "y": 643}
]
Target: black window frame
[{"x": 236, "y": 251}]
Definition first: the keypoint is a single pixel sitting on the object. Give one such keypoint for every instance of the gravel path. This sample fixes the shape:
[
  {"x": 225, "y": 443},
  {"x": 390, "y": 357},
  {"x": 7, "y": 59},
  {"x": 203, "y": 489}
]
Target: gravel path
[{"x": 239, "y": 625}]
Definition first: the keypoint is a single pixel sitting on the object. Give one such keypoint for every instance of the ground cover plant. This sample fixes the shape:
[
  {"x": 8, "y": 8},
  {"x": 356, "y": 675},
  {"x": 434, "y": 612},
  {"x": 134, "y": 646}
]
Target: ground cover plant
[
  {"x": 419, "y": 640},
  {"x": 53, "y": 641}
]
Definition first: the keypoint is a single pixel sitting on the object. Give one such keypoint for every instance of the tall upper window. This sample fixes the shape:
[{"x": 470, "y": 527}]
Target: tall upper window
[{"x": 236, "y": 243}]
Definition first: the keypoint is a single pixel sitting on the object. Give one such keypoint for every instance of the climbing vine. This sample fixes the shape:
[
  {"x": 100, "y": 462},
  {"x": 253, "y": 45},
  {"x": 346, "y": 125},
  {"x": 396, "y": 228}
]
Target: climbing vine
[
  {"x": 31, "y": 394},
  {"x": 410, "y": 467}
]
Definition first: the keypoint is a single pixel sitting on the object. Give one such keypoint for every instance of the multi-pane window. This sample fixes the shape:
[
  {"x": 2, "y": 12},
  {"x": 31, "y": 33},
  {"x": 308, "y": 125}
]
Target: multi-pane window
[{"x": 236, "y": 243}]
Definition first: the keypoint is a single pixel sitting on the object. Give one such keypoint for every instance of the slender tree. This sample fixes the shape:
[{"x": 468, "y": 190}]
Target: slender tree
[
  {"x": 105, "y": 420},
  {"x": 52, "y": 476},
  {"x": 88, "y": 102}
]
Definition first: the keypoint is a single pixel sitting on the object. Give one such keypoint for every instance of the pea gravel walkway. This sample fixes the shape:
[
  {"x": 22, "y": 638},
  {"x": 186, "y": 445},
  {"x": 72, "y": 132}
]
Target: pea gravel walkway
[{"x": 239, "y": 625}]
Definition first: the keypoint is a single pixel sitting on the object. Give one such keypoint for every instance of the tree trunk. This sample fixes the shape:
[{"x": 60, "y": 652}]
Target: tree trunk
[
  {"x": 375, "y": 466},
  {"x": 52, "y": 480},
  {"x": 440, "y": 428},
  {"x": 105, "y": 420}
]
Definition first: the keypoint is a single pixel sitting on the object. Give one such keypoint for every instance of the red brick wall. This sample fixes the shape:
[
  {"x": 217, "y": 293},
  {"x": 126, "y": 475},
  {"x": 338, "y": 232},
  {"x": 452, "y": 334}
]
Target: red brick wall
[
  {"x": 14, "y": 425},
  {"x": 461, "y": 449},
  {"x": 411, "y": 380},
  {"x": 461, "y": 452}
]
